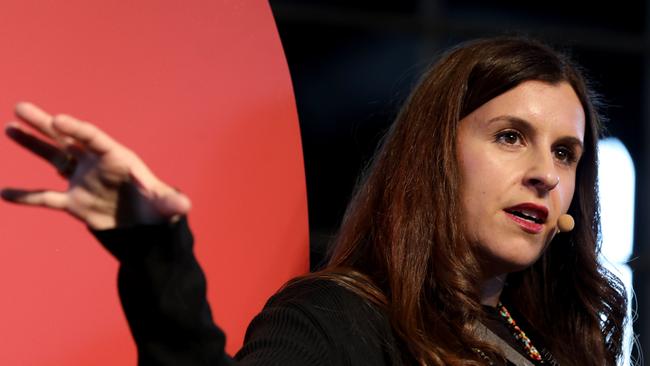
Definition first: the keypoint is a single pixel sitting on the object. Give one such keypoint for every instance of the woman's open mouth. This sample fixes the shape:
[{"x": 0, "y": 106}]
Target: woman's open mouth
[{"x": 530, "y": 217}]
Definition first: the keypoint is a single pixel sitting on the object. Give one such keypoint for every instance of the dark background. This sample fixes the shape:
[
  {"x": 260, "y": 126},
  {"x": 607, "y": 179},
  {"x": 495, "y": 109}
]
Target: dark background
[{"x": 353, "y": 62}]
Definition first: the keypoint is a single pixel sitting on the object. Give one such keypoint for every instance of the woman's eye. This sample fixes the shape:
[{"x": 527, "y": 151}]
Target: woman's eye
[
  {"x": 509, "y": 138},
  {"x": 565, "y": 155}
]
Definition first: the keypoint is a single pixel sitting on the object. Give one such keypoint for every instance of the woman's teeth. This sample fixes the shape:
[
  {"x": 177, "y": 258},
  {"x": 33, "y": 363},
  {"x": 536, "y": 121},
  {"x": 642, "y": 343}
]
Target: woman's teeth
[{"x": 530, "y": 216}]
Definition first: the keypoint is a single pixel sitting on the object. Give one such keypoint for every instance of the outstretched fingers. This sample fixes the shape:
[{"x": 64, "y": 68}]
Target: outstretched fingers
[
  {"x": 42, "y": 198},
  {"x": 43, "y": 149},
  {"x": 36, "y": 118},
  {"x": 65, "y": 130},
  {"x": 84, "y": 133},
  {"x": 97, "y": 167}
]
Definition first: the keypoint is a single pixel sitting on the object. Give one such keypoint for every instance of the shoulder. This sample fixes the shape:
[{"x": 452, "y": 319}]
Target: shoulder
[
  {"x": 323, "y": 292},
  {"x": 328, "y": 317},
  {"x": 349, "y": 320},
  {"x": 334, "y": 306}
]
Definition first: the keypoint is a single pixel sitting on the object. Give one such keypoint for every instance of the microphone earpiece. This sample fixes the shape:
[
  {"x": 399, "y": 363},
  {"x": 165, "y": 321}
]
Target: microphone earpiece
[{"x": 565, "y": 223}]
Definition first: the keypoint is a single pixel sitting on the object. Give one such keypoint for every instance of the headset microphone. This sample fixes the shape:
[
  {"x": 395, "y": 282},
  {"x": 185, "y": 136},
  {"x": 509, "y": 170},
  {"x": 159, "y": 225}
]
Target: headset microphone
[{"x": 565, "y": 223}]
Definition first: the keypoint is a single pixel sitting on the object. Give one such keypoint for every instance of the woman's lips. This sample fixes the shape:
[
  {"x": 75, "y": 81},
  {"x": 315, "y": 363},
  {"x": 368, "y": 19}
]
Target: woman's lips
[
  {"x": 528, "y": 225},
  {"x": 529, "y": 216}
]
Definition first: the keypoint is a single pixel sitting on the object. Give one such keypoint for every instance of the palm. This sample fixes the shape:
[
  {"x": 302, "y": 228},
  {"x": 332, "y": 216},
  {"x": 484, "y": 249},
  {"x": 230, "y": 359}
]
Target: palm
[
  {"x": 109, "y": 186},
  {"x": 94, "y": 187}
]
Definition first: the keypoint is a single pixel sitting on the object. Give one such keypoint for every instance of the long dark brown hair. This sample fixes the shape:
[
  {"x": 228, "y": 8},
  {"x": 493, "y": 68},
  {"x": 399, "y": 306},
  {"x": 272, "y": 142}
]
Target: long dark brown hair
[{"x": 402, "y": 247}]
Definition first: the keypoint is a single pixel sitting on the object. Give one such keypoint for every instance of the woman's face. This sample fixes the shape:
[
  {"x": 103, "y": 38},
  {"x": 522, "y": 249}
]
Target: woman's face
[{"x": 518, "y": 155}]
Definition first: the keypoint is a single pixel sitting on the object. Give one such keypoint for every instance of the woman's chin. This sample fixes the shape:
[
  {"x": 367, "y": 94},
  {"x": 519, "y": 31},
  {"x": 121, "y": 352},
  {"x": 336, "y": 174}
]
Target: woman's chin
[{"x": 495, "y": 266}]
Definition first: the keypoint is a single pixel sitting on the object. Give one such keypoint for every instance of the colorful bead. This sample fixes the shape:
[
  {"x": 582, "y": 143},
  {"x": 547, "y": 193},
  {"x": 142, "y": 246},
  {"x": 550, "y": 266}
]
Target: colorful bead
[{"x": 519, "y": 334}]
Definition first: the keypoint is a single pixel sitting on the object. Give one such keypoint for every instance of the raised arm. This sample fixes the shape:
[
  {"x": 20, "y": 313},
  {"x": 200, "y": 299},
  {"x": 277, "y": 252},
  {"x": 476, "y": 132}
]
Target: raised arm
[{"x": 141, "y": 221}]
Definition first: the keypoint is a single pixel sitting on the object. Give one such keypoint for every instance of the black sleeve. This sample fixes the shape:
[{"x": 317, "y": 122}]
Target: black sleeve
[{"x": 163, "y": 293}]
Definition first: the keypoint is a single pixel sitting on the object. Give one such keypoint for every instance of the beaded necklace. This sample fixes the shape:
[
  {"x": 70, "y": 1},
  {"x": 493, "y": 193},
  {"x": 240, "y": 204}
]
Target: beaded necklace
[{"x": 519, "y": 334}]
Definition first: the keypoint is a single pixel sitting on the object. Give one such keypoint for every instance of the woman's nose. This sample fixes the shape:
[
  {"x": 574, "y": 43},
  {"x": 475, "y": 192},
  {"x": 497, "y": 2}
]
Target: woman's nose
[
  {"x": 544, "y": 182},
  {"x": 542, "y": 176}
]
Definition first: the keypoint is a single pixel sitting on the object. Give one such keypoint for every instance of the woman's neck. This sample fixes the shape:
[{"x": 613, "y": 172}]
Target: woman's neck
[{"x": 491, "y": 290}]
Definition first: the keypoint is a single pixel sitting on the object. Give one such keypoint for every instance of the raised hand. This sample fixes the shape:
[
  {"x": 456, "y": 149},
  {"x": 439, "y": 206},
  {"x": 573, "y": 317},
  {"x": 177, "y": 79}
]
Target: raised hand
[{"x": 109, "y": 186}]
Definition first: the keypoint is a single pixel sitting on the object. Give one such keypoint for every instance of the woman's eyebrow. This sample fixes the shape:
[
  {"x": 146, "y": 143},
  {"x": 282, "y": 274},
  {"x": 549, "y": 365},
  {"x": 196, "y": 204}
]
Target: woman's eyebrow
[
  {"x": 570, "y": 141},
  {"x": 517, "y": 122}
]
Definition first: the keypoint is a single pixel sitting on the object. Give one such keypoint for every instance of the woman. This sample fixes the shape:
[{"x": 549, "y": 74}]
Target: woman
[{"x": 451, "y": 239}]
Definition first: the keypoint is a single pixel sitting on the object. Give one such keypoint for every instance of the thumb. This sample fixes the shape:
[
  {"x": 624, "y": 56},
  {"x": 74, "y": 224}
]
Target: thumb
[
  {"x": 172, "y": 203},
  {"x": 165, "y": 200}
]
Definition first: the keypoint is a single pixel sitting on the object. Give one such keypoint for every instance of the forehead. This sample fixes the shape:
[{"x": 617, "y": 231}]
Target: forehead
[{"x": 554, "y": 108}]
